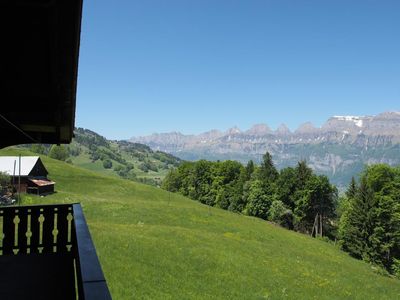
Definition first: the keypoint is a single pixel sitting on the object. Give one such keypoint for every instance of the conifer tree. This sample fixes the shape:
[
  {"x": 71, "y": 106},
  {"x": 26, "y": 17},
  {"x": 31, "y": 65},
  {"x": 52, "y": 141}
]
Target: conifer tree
[
  {"x": 249, "y": 170},
  {"x": 357, "y": 223},
  {"x": 303, "y": 174},
  {"x": 352, "y": 189},
  {"x": 268, "y": 171}
]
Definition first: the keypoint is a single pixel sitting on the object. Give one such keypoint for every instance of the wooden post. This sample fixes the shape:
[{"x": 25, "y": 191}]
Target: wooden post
[
  {"x": 19, "y": 181},
  {"x": 320, "y": 221},
  {"x": 315, "y": 226},
  {"x": 13, "y": 179}
]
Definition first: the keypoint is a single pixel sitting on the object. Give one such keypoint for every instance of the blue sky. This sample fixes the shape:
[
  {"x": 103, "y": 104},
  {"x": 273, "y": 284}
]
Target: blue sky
[{"x": 195, "y": 65}]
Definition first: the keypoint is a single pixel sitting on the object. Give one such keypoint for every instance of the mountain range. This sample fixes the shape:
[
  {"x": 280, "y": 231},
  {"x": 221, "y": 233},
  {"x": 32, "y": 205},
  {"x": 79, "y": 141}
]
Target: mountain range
[{"x": 339, "y": 148}]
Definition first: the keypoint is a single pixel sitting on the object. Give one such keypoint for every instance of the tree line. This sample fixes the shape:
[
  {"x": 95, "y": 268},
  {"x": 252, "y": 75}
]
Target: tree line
[
  {"x": 365, "y": 221},
  {"x": 369, "y": 226},
  {"x": 291, "y": 197}
]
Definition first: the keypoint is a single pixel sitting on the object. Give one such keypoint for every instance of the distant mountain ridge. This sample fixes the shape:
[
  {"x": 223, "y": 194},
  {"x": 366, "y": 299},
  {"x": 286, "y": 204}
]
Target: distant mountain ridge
[
  {"x": 385, "y": 124},
  {"x": 338, "y": 149}
]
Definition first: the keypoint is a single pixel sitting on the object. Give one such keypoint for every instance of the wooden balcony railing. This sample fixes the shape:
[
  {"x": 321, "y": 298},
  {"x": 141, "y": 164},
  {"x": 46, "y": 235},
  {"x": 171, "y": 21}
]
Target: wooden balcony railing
[{"x": 46, "y": 252}]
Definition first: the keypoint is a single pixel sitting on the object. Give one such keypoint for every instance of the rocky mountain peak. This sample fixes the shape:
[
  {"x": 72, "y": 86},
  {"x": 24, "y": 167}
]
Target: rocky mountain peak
[
  {"x": 259, "y": 129},
  {"x": 232, "y": 131},
  {"x": 338, "y": 129},
  {"x": 211, "y": 135},
  {"x": 346, "y": 124},
  {"x": 306, "y": 128},
  {"x": 387, "y": 123},
  {"x": 390, "y": 115},
  {"x": 282, "y": 130},
  {"x": 361, "y": 140}
]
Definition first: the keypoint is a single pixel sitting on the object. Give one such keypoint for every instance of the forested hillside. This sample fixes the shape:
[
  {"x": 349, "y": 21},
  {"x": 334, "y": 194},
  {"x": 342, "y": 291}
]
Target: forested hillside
[
  {"x": 124, "y": 159},
  {"x": 292, "y": 197}
]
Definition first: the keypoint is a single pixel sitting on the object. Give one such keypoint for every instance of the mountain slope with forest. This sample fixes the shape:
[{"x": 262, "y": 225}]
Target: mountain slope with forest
[
  {"x": 92, "y": 151},
  {"x": 158, "y": 245}
]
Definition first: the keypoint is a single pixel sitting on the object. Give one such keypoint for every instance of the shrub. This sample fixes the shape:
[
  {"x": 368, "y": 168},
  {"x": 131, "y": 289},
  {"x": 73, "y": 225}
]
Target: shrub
[
  {"x": 107, "y": 164},
  {"x": 58, "y": 152}
]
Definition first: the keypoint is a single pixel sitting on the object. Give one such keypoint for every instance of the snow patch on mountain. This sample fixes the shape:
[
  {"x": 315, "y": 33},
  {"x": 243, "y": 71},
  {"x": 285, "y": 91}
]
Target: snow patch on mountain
[{"x": 358, "y": 121}]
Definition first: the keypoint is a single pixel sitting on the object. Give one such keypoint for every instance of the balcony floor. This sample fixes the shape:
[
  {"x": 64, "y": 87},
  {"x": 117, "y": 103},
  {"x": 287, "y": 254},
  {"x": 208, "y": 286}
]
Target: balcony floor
[{"x": 39, "y": 277}]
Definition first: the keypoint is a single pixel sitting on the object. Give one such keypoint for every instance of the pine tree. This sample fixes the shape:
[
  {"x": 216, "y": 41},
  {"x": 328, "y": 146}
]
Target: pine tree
[
  {"x": 385, "y": 239},
  {"x": 352, "y": 189},
  {"x": 357, "y": 223},
  {"x": 370, "y": 227},
  {"x": 249, "y": 170},
  {"x": 303, "y": 174},
  {"x": 268, "y": 171}
]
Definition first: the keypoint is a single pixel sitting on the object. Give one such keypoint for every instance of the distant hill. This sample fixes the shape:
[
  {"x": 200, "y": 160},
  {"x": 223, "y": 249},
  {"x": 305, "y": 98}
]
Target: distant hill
[
  {"x": 128, "y": 160},
  {"x": 338, "y": 149},
  {"x": 158, "y": 245}
]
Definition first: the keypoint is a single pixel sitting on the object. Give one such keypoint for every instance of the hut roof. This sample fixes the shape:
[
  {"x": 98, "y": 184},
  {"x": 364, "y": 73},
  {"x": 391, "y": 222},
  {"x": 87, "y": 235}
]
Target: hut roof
[
  {"x": 27, "y": 164},
  {"x": 42, "y": 182}
]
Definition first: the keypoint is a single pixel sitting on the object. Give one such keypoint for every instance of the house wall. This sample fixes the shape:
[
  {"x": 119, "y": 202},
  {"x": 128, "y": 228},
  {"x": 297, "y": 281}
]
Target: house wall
[
  {"x": 40, "y": 190},
  {"x": 24, "y": 184},
  {"x": 47, "y": 189}
]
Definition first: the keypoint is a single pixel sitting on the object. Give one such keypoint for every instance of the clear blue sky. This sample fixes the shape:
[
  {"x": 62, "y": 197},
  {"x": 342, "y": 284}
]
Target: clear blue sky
[{"x": 194, "y": 65}]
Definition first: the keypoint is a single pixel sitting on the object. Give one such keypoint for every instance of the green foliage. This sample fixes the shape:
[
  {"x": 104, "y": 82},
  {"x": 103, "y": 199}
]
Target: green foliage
[
  {"x": 318, "y": 197},
  {"x": 118, "y": 168},
  {"x": 59, "y": 152},
  {"x": 107, "y": 164},
  {"x": 147, "y": 166},
  {"x": 130, "y": 161},
  {"x": 396, "y": 267},
  {"x": 268, "y": 172},
  {"x": 171, "y": 182},
  {"x": 287, "y": 186},
  {"x": 303, "y": 173},
  {"x": 248, "y": 171},
  {"x": 89, "y": 138},
  {"x": 251, "y": 190},
  {"x": 125, "y": 171},
  {"x": 370, "y": 226},
  {"x": 38, "y": 148},
  {"x": 258, "y": 202},
  {"x": 74, "y": 150},
  {"x": 355, "y": 224},
  {"x": 5, "y": 182},
  {"x": 280, "y": 214},
  {"x": 352, "y": 189}
]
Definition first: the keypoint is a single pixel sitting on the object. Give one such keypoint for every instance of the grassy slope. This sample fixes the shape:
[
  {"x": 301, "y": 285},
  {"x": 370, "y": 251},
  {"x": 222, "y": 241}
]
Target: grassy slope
[
  {"x": 156, "y": 245},
  {"x": 84, "y": 160}
]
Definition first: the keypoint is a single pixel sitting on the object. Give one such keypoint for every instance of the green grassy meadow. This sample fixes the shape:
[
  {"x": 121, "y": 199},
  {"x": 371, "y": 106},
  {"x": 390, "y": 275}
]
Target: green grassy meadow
[{"x": 157, "y": 245}]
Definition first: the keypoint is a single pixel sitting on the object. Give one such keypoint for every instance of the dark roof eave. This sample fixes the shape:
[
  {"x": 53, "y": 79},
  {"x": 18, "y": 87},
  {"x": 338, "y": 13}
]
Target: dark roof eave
[{"x": 40, "y": 65}]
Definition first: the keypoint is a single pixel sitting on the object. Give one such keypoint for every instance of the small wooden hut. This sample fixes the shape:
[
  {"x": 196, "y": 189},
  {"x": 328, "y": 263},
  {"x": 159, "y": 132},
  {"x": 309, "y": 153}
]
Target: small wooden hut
[{"x": 30, "y": 177}]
